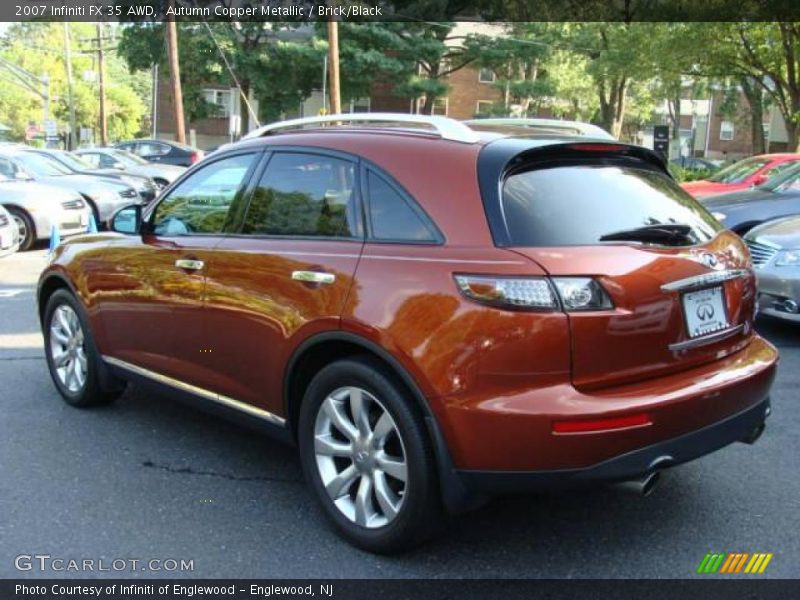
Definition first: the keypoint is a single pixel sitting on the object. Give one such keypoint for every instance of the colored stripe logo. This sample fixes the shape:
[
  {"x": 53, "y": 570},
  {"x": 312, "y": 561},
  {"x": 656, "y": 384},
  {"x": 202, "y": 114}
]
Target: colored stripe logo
[{"x": 734, "y": 562}]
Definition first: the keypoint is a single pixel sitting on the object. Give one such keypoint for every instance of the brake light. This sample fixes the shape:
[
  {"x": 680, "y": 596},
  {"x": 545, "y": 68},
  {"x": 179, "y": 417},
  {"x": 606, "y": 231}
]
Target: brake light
[
  {"x": 596, "y": 425},
  {"x": 541, "y": 293},
  {"x": 598, "y": 147},
  {"x": 195, "y": 156}
]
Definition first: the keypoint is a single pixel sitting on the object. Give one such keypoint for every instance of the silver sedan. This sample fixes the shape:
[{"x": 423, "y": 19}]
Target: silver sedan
[{"x": 775, "y": 248}]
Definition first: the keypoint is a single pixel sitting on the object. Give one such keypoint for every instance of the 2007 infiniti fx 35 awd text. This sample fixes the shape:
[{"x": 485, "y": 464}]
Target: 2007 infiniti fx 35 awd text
[{"x": 434, "y": 313}]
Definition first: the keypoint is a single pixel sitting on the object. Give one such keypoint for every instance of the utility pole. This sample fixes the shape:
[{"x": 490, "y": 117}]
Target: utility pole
[
  {"x": 175, "y": 75},
  {"x": 333, "y": 66},
  {"x": 102, "y": 72},
  {"x": 154, "y": 102},
  {"x": 71, "y": 140}
]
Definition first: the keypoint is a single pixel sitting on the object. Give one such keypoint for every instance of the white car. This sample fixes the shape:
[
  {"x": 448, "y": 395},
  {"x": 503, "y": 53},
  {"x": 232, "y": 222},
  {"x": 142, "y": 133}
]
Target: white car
[
  {"x": 34, "y": 208},
  {"x": 9, "y": 233}
]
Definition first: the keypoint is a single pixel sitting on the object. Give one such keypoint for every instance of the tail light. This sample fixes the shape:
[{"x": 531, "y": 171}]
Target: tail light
[{"x": 535, "y": 293}]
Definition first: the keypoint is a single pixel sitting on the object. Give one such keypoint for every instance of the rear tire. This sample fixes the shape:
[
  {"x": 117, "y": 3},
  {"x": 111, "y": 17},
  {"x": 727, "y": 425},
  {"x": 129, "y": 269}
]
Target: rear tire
[
  {"x": 27, "y": 230},
  {"x": 367, "y": 457},
  {"x": 72, "y": 357}
]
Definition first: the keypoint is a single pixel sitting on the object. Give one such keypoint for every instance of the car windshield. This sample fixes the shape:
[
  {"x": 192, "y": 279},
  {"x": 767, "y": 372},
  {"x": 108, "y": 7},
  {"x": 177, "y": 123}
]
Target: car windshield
[
  {"x": 127, "y": 158},
  {"x": 788, "y": 181},
  {"x": 615, "y": 202},
  {"x": 73, "y": 162},
  {"x": 41, "y": 166},
  {"x": 738, "y": 172}
]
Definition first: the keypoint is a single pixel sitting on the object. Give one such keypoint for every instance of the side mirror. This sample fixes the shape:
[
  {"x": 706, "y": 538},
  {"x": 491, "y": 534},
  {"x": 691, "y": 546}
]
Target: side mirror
[{"x": 127, "y": 220}]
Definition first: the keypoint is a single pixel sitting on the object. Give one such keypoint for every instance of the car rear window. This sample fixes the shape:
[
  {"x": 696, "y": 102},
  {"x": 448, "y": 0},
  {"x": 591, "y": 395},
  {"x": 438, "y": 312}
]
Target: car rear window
[{"x": 577, "y": 205}]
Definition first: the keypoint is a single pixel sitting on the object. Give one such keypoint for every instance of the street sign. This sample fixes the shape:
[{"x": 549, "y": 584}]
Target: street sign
[
  {"x": 50, "y": 128},
  {"x": 661, "y": 139}
]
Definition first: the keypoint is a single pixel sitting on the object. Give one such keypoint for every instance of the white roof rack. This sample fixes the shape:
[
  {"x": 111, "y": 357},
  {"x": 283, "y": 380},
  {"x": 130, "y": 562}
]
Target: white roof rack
[
  {"x": 448, "y": 129},
  {"x": 583, "y": 128}
]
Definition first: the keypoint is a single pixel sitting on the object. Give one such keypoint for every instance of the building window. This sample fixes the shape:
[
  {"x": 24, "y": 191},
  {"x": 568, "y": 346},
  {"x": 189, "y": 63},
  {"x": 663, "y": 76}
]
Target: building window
[
  {"x": 484, "y": 107},
  {"x": 726, "y": 130},
  {"x": 361, "y": 105},
  {"x": 440, "y": 106},
  {"x": 486, "y": 76},
  {"x": 220, "y": 101}
]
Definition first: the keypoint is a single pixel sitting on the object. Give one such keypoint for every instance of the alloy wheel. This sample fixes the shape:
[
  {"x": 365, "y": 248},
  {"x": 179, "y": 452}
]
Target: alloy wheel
[
  {"x": 360, "y": 457},
  {"x": 67, "y": 349},
  {"x": 22, "y": 227}
]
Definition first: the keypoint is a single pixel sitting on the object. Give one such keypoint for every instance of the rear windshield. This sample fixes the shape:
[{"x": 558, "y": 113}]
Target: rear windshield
[{"x": 578, "y": 205}]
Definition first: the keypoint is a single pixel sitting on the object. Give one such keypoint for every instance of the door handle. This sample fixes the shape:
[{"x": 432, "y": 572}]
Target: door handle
[
  {"x": 189, "y": 264},
  {"x": 313, "y": 277}
]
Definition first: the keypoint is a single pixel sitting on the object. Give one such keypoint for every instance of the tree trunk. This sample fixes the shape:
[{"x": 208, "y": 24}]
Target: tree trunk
[
  {"x": 755, "y": 98},
  {"x": 620, "y": 97}
]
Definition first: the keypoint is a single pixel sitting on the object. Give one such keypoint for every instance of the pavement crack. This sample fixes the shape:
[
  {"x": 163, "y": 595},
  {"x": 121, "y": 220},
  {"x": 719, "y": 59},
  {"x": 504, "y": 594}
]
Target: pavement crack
[{"x": 190, "y": 471}]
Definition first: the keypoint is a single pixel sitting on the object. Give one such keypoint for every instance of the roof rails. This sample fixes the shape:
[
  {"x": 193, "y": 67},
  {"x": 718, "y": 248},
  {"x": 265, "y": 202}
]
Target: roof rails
[
  {"x": 583, "y": 128},
  {"x": 448, "y": 129}
]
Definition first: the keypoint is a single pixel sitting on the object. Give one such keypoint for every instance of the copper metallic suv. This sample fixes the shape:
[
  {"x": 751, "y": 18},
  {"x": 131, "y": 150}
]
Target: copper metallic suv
[{"x": 433, "y": 312}]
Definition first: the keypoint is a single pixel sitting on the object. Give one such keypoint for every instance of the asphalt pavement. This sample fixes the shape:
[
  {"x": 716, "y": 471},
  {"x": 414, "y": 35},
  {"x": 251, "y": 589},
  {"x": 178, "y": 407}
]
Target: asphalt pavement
[{"x": 148, "y": 478}]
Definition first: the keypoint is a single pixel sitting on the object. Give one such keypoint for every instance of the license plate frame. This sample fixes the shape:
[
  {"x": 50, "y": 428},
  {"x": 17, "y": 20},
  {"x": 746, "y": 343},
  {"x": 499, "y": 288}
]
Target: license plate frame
[{"x": 704, "y": 311}]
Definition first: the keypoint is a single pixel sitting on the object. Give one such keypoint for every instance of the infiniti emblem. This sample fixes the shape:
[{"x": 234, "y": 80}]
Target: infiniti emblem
[
  {"x": 705, "y": 311},
  {"x": 709, "y": 260},
  {"x": 362, "y": 456}
]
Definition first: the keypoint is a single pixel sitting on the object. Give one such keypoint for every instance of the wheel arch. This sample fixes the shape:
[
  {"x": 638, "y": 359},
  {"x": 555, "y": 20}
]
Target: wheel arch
[
  {"x": 11, "y": 207},
  {"x": 49, "y": 284},
  {"x": 324, "y": 348}
]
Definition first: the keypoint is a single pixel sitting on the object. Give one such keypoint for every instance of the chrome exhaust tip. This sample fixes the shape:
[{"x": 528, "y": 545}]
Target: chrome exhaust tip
[{"x": 643, "y": 486}]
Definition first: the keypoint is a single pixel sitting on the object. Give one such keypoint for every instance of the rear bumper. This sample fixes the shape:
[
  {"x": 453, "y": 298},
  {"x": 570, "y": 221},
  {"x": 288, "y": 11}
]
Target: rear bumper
[
  {"x": 631, "y": 465},
  {"x": 778, "y": 287}
]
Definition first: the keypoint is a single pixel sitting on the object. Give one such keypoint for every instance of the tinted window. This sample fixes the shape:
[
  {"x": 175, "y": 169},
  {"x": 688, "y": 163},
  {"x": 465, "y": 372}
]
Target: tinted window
[
  {"x": 200, "y": 203},
  {"x": 739, "y": 171},
  {"x": 576, "y": 205},
  {"x": 392, "y": 217},
  {"x": 152, "y": 149},
  {"x": 304, "y": 195},
  {"x": 779, "y": 168}
]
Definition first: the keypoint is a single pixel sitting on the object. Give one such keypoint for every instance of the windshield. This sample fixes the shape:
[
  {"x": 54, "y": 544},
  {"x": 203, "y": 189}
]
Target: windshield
[
  {"x": 41, "y": 166},
  {"x": 786, "y": 182},
  {"x": 127, "y": 158},
  {"x": 72, "y": 161},
  {"x": 541, "y": 205},
  {"x": 738, "y": 172}
]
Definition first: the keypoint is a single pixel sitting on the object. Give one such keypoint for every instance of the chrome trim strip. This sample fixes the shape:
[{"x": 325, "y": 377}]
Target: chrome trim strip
[
  {"x": 706, "y": 279},
  {"x": 313, "y": 277},
  {"x": 198, "y": 391},
  {"x": 706, "y": 339}
]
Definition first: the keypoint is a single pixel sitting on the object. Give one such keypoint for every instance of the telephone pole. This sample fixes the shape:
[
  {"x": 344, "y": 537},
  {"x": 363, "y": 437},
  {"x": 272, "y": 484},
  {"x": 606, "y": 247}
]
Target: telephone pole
[
  {"x": 333, "y": 66},
  {"x": 71, "y": 140},
  {"x": 175, "y": 76},
  {"x": 102, "y": 75}
]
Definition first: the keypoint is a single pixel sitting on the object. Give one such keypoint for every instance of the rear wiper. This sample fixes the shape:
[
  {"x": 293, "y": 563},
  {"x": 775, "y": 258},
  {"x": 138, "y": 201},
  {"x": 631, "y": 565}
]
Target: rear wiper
[{"x": 661, "y": 233}]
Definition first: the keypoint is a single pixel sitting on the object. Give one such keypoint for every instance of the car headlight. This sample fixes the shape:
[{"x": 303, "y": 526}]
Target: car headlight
[
  {"x": 788, "y": 258},
  {"x": 719, "y": 216}
]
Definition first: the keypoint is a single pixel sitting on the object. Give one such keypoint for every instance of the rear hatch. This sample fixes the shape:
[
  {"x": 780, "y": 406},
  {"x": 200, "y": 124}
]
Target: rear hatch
[{"x": 681, "y": 288}]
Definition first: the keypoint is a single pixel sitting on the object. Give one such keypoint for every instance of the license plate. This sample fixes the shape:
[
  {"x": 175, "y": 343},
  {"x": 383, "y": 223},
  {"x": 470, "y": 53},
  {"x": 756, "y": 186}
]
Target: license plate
[{"x": 704, "y": 311}]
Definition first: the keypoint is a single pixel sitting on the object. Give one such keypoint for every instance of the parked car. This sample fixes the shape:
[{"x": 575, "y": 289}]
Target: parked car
[
  {"x": 103, "y": 196},
  {"x": 420, "y": 311},
  {"x": 742, "y": 175},
  {"x": 741, "y": 211},
  {"x": 113, "y": 158},
  {"x": 143, "y": 185},
  {"x": 9, "y": 233},
  {"x": 775, "y": 248},
  {"x": 693, "y": 163},
  {"x": 35, "y": 208},
  {"x": 159, "y": 151}
]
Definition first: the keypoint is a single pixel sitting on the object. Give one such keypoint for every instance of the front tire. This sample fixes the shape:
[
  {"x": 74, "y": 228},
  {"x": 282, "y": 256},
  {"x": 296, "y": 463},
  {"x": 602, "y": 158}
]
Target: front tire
[
  {"x": 72, "y": 357},
  {"x": 367, "y": 457},
  {"x": 25, "y": 226}
]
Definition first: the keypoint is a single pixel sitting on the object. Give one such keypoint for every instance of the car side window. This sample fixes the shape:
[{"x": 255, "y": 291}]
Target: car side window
[
  {"x": 201, "y": 203},
  {"x": 152, "y": 149},
  {"x": 305, "y": 195},
  {"x": 779, "y": 168},
  {"x": 92, "y": 158},
  {"x": 395, "y": 217},
  {"x": 105, "y": 161}
]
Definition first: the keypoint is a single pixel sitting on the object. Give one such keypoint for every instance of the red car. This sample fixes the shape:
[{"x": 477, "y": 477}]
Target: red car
[
  {"x": 742, "y": 175},
  {"x": 433, "y": 316}
]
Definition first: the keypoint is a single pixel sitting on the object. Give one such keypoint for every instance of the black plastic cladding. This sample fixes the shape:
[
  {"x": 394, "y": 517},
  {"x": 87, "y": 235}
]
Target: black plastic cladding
[{"x": 506, "y": 155}]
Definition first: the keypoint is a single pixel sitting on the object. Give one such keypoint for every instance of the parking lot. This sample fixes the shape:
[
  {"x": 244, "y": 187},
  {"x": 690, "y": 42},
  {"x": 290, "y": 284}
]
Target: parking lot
[{"x": 148, "y": 478}]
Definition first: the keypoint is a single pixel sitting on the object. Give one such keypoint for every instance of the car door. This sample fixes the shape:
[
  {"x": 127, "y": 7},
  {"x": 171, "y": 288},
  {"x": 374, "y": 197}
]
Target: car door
[
  {"x": 286, "y": 275},
  {"x": 151, "y": 286}
]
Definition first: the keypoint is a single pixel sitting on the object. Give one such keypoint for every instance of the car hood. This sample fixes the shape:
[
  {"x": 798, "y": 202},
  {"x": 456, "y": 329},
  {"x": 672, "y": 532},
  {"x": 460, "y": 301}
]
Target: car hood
[
  {"x": 23, "y": 192},
  {"x": 169, "y": 172},
  {"x": 85, "y": 184},
  {"x": 736, "y": 198},
  {"x": 784, "y": 232}
]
